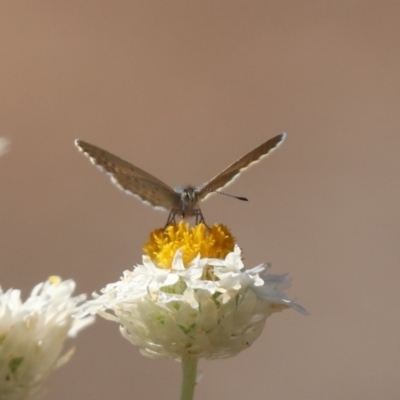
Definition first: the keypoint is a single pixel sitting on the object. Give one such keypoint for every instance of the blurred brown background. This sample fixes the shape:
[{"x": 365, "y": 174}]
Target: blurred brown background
[{"x": 181, "y": 89}]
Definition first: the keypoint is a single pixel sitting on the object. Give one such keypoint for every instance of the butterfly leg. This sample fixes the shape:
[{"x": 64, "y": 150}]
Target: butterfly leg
[
  {"x": 171, "y": 218},
  {"x": 199, "y": 217},
  {"x": 195, "y": 213}
]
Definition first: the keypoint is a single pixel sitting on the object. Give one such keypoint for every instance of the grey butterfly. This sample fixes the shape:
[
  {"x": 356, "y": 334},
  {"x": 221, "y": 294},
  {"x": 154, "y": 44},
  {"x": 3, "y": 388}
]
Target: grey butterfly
[{"x": 178, "y": 201}]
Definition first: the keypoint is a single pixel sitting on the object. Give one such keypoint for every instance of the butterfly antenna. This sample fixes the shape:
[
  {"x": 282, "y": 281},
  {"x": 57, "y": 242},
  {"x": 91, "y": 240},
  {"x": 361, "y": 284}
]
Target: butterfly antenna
[{"x": 227, "y": 194}]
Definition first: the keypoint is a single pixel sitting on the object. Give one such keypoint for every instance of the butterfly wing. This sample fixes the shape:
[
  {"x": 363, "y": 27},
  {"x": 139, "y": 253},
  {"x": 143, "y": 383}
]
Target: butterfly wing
[
  {"x": 131, "y": 179},
  {"x": 228, "y": 175}
]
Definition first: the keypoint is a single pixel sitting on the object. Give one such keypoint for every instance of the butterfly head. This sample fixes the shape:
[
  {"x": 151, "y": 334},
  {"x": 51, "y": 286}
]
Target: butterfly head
[
  {"x": 189, "y": 197},
  {"x": 187, "y": 204}
]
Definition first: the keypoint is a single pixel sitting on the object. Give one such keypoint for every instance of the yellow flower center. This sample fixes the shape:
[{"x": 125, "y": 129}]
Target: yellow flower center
[
  {"x": 213, "y": 242},
  {"x": 54, "y": 279}
]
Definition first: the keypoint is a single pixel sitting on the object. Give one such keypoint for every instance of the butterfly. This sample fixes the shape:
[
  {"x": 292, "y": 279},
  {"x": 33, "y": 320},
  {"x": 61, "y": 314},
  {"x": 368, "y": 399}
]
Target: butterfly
[{"x": 183, "y": 202}]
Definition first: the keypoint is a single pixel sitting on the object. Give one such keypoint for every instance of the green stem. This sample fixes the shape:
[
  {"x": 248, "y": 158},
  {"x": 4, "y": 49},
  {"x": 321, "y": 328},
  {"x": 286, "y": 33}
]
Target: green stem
[{"x": 189, "y": 374}]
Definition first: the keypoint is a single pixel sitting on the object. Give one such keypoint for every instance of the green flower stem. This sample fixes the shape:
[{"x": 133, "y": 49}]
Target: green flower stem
[{"x": 189, "y": 374}]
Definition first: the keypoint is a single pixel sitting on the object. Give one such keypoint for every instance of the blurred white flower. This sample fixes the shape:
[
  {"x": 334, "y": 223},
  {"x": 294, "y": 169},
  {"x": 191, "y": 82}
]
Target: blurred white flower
[
  {"x": 32, "y": 336},
  {"x": 4, "y": 145},
  {"x": 177, "y": 304}
]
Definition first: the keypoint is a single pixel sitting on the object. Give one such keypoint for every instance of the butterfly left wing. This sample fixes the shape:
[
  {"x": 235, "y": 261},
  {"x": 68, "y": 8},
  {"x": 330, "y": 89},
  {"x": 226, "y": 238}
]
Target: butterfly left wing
[
  {"x": 130, "y": 178},
  {"x": 228, "y": 175}
]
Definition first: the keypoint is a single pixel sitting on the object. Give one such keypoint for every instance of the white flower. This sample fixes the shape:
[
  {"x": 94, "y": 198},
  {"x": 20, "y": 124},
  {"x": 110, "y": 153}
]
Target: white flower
[
  {"x": 32, "y": 335},
  {"x": 211, "y": 308},
  {"x": 4, "y": 145}
]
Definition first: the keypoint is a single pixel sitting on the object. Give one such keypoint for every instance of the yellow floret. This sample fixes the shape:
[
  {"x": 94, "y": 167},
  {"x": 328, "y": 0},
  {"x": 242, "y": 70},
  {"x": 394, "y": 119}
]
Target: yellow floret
[{"x": 214, "y": 242}]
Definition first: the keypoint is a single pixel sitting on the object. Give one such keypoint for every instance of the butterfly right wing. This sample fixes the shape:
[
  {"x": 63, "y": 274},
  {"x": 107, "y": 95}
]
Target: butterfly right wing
[
  {"x": 229, "y": 174},
  {"x": 131, "y": 179}
]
